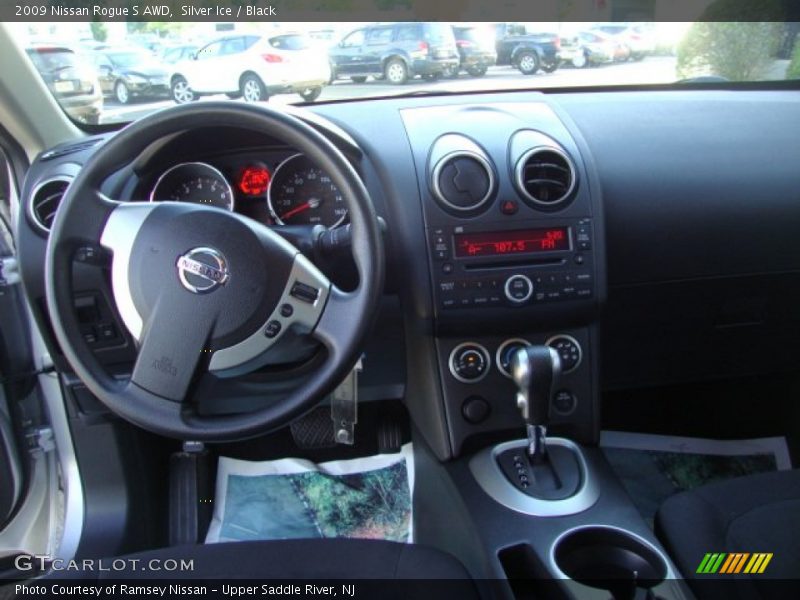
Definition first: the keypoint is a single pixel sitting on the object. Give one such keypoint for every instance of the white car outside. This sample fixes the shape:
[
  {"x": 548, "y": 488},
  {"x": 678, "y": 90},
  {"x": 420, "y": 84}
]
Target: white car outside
[
  {"x": 252, "y": 67},
  {"x": 639, "y": 39}
]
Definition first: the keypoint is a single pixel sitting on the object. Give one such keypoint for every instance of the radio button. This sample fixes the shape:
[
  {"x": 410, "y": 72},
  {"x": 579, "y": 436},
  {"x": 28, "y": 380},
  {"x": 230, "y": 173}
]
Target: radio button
[
  {"x": 449, "y": 303},
  {"x": 518, "y": 289},
  {"x": 584, "y": 292}
]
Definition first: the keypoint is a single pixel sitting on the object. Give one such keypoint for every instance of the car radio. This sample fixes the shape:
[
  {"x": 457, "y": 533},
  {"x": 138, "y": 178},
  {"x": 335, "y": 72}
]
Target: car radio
[{"x": 523, "y": 265}]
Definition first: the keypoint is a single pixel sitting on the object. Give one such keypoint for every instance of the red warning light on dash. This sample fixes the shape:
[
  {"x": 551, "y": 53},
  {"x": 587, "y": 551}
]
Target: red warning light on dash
[
  {"x": 523, "y": 241},
  {"x": 254, "y": 180}
]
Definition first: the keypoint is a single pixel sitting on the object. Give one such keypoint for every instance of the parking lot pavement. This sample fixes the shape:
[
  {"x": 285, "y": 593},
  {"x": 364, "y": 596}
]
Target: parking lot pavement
[{"x": 654, "y": 69}]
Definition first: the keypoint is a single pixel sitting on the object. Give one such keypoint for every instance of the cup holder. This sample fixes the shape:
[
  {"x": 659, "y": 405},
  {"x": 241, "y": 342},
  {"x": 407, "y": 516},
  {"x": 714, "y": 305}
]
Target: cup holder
[{"x": 610, "y": 559}]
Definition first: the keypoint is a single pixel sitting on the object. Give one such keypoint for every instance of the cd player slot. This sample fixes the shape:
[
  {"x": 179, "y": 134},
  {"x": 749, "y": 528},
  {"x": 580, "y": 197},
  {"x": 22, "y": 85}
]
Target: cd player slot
[{"x": 506, "y": 264}]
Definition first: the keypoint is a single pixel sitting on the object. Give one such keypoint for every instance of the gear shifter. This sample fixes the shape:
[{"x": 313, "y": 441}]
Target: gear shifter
[
  {"x": 546, "y": 474},
  {"x": 535, "y": 370}
]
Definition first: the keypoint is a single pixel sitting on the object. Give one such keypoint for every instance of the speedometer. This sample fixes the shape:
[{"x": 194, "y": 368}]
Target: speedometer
[
  {"x": 301, "y": 193},
  {"x": 194, "y": 182}
]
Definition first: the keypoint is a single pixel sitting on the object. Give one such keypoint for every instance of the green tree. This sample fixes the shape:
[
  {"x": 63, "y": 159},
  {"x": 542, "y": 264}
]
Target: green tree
[
  {"x": 160, "y": 28},
  {"x": 794, "y": 66},
  {"x": 99, "y": 31},
  {"x": 738, "y": 51}
]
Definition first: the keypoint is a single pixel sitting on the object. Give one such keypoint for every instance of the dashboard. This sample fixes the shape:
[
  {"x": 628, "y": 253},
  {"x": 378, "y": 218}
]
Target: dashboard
[{"x": 650, "y": 233}]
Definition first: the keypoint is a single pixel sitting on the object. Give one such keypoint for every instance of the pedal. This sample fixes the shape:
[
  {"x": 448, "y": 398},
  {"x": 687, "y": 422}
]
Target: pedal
[
  {"x": 344, "y": 407},
  {"x": 390, "y": 436},
  {"x": 313, "y": 430}
]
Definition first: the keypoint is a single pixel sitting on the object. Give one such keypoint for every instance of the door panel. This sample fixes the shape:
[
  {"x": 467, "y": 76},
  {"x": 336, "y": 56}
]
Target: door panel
[
  {"x": 14, "y": 353},
  {"x": 348, "y": 55},
  {"x": 10, "y": 469},
  {"x": 204, "y": 72},
  {"x": 378, "y": 41}
]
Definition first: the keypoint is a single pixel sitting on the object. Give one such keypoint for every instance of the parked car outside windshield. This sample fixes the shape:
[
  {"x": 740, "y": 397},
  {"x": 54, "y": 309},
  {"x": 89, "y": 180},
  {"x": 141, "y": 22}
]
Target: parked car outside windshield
[
  {"x": 71, "y": 79},
  {"x": 128, "y": 73},
  {"x": 252, "y": 68},
  {"x": 289, "y": 63}
]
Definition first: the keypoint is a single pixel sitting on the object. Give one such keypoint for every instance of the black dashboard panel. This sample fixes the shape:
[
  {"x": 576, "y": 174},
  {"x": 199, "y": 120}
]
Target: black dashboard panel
[
  {"x": 701, "y": 193},
  {"x": 695, "y": 184}
]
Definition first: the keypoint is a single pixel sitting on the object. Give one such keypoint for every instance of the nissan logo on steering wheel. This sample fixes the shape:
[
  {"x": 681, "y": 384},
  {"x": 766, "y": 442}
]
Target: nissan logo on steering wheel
[{"x": 202, "y": 270}]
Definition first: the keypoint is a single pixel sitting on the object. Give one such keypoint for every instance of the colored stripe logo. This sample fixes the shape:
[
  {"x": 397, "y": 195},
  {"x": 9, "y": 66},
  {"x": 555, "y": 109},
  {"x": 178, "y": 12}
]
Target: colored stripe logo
[{"x": 732, "y": 563}]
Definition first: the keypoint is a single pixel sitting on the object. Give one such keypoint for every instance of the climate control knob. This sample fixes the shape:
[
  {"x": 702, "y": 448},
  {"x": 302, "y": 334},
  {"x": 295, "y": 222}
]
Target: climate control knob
[
  {"x": 469, "y": 362},
  {"x": 506, "y": 351},
  {"x": 569, "y": 350},
  {"x": 518, "y": 289}
]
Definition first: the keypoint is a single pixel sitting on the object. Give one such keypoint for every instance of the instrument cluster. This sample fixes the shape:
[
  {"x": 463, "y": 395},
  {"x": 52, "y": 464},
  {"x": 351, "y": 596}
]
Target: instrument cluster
[{"x": 275, "y": 188}]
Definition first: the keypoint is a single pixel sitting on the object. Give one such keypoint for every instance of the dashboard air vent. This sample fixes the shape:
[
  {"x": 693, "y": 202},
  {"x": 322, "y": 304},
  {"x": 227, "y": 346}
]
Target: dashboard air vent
[
  {"x": 70, "y": 149},
  {"x": 45, "y": 200},
  {"x": 545, "y": 176},
  {"x": 463, "y": 181}
]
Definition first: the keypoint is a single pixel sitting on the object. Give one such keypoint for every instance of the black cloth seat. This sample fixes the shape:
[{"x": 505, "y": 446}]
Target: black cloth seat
[
  {"x": 318, "y": 559},
  {"x": 756, "y": 513}
]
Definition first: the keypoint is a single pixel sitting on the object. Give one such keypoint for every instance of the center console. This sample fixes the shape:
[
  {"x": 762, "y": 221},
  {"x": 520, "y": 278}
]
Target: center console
[
  {"x": 515, "y": 246},
  {"x": 516, "y": 256}
]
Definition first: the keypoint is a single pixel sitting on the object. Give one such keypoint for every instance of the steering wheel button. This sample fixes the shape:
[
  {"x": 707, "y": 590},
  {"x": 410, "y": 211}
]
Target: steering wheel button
[
  {"x": 287, "y": 310},
  {"x": 304, "y": 292},
  {"x": 272, "y": 329}
]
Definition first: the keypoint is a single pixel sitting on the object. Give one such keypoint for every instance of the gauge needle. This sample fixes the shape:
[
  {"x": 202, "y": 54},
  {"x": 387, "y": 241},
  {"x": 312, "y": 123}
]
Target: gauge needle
[{"x": 313, "y": 203}]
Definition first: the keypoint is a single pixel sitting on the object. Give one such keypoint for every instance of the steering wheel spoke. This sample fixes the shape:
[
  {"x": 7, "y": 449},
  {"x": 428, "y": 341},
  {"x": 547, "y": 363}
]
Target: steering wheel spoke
[
  {"x": 299, "y": 309},
  {"x": 172, "y": 345},
  {"x": 118, "y": 236}
]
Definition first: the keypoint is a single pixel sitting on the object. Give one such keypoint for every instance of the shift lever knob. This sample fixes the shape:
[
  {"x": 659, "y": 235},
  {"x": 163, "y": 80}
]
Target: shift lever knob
[{"x": 535, "y": 370}]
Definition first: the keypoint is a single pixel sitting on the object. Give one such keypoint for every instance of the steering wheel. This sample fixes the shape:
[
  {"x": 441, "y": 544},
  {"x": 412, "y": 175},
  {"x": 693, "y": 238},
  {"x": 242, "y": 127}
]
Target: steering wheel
[{"x": 201, "y": 288}]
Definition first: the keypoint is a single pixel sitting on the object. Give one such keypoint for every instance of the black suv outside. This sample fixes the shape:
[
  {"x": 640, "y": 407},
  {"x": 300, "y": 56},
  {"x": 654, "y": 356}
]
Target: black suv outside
[
  {"x": 476, "y": 48},
  {"x": 396, "y": 52}
]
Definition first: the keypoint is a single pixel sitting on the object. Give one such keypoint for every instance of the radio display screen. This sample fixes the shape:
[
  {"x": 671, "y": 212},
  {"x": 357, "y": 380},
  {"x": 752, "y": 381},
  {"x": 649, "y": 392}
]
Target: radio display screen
[{"x": 521, "y": 241}]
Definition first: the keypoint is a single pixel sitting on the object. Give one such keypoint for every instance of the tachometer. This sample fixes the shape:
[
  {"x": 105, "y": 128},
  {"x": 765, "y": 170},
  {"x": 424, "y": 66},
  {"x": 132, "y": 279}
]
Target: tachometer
[
  {"x": 194, "y": 182},
  {"x": 301, "y": 193}
]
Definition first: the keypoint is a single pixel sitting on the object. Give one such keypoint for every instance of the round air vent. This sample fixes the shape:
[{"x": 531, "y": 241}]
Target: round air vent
[
  {"x": 45, "y": 200},
  {"x": 545, "y": 176},
  {"x": 463, "y": 181}
]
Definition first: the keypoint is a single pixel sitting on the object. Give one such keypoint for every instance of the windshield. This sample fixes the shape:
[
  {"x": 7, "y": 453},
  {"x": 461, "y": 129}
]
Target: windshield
[
  {"x": 127, "y": 60},
  {"x": 289, "y": 42},
  {"x": 290, "y": 63}
]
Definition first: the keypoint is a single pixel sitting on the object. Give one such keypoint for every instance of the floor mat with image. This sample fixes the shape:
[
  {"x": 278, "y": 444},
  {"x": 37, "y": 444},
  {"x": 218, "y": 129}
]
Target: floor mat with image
[
  {"x": 654, "y": 467},
  {"x": 294, "y": 498}
]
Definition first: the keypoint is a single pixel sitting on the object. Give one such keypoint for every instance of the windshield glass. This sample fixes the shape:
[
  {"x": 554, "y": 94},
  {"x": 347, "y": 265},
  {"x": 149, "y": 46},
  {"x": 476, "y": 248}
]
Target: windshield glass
[
  {"x": 128, "y": 59},
  {"x": 142, "y": 67},
  {"x": 289, "y": 42}
]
